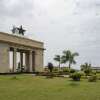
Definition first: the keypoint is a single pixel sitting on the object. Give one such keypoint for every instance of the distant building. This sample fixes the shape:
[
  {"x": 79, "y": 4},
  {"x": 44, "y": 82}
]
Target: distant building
[{"x": 96, "y": 68}]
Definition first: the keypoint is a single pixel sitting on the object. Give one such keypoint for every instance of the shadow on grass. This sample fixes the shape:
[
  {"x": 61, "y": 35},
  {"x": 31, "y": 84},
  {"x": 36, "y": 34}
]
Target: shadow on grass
[
  {"x": 74, "y": 83},
  {"x": 14, "y": 78},
  {"x": 49, "y": 77}
]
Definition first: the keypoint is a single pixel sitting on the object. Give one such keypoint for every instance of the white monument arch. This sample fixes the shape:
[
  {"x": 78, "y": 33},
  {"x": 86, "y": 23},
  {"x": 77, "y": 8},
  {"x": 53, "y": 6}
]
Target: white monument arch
[{"x": 30, "y": 51}]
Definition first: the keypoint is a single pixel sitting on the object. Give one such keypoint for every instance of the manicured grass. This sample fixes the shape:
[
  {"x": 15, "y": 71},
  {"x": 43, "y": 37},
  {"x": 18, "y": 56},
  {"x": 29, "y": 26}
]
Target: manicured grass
[{"x": 28, "y": 87}]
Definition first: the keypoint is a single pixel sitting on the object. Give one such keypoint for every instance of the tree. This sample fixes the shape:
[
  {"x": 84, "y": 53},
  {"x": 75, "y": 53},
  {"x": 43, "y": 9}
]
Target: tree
[
  {"x": 86, "y": 68},
  {"x": 50, "y": 66},
  {"x": 58, "y": 59},
  {"x": 68, "y": 56}
]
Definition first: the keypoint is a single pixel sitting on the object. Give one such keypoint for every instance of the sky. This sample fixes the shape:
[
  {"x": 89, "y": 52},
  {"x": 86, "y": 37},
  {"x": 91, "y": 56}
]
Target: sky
[{"x": 60, "y": 24}]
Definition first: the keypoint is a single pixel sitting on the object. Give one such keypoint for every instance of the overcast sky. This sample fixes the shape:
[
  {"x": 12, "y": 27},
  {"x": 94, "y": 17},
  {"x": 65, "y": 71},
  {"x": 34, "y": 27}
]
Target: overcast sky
[{"x": 60, "y": 24}]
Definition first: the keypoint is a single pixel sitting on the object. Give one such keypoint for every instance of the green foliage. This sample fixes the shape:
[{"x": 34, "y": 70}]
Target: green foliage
[
  {"x": 87, "y": 72},
  {"x": 94, "y": 72},
  {"x": 58, "y": 59},
  {"x": 76, "y": 76},
  {"x": 55, "y": 69},
  {"x": 86, "y": 68},
  {"x": 65, "y": 69},
  {"x": 82, "y": 75},
  {"x": 97, "y": 71},
  {"x": 92, "y": 78},
  {"x": 72, "y": 70},
  {"x": 68, "y": 56}
]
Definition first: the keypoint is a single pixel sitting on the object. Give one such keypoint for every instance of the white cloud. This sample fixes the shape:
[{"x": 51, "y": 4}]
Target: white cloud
[{"x": 61, "y": 24}]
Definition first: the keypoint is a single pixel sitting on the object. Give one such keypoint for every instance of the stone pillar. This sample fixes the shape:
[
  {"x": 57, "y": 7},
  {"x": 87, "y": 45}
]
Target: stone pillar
[
  {"x": 30, "y": 62},
  {"x": 39, "y": 60},
  {"x": 14, "y": 60},
  {"x": 27, "y": 62}
]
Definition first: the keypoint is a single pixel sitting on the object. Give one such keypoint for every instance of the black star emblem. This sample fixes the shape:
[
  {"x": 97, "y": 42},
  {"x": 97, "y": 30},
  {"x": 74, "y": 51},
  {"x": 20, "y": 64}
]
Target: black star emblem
[{"x": 21, "y": 30}]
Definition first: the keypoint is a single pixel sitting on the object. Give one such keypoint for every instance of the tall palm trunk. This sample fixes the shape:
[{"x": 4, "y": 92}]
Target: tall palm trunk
[
  {"x": 59, "y": 65},
  {"x": 69, "y": 65}
]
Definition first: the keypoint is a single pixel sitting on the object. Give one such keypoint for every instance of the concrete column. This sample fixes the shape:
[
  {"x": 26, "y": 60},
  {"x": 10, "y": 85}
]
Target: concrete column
[
  {"x": 14, "y": 60},
  {"x": 39, "y": 60},
  {"x": 27, "y": 62},
  {"x": 30, "y": 62}
]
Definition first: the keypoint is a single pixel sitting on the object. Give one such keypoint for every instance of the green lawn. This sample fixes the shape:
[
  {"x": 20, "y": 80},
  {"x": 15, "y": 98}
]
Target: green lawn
[{"x": 28, "y": 87}]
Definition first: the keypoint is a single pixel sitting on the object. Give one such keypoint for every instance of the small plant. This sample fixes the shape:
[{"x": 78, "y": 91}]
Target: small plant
[
  {"x": 92, "y": 78},
  {"x": 76, "y": 76}
]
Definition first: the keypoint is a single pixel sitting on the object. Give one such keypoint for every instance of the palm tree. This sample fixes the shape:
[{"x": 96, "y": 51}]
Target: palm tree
[
  {"x": 58, "y": 59},
  {"x": 85, "y": 66},
  {"x": 68, "y": 56}
]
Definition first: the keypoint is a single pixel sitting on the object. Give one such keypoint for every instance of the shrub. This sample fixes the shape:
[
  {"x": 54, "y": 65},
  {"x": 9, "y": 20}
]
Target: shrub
[
  {"x": 92, "y": 78},
  {"x": 87, "y": 72},
  {"x": 50, "y": 75},
  {"x": 55, "y": 69},
  {"x": 50, "y": 67},
  {"x": 72, "y": 70},
  {"x": 94, "y": 72},
  {"x": 97, "y": 71},
  {"x": 82, "y": 74},
  {"x": 76, "y": 76},
  {"x": 65, "y": 69}
]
